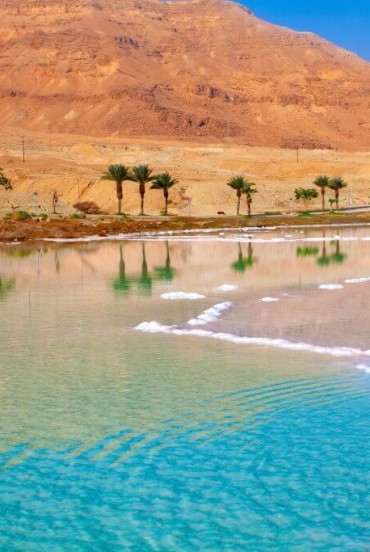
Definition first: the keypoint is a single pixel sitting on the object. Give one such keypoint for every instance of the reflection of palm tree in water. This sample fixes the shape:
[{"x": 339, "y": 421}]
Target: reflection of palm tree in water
[
  {"x": 166, "y": 273},
  {"x": 6, "y": 286},
  {"x": 338, "y": 257},
  {"x": 243, "y": 263},
  {"x": 145, "y": 281},
  {"x": 121, "y": 283},
  {"x": 324, "y": 259},
  {"x": 57, "y": 261}
]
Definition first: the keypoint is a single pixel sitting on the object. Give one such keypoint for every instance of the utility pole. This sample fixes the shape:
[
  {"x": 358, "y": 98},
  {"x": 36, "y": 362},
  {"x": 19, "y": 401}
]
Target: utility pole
[{"x": 189, "y": 206}]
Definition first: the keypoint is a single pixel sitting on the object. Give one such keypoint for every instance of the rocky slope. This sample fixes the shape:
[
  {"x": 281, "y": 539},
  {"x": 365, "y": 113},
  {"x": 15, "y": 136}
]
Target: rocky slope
[{"x": 198, "y": 69}]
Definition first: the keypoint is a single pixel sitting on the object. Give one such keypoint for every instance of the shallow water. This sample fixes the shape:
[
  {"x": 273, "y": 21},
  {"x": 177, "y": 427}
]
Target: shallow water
[{"x": 199, "y": 391}]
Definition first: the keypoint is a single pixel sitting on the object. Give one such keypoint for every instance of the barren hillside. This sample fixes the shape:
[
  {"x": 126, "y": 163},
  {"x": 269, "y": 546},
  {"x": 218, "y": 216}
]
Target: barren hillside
[{"x": 202, "y": 70}]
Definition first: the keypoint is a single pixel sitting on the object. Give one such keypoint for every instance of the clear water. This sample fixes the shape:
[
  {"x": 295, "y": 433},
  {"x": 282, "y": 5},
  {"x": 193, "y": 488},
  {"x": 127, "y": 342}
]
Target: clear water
[{"x": 225, "y": 435}]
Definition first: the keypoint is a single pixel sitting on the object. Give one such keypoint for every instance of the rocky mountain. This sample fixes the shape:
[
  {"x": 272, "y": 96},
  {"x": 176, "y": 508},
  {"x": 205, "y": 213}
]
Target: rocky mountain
[{"x": 193, "y": 70}]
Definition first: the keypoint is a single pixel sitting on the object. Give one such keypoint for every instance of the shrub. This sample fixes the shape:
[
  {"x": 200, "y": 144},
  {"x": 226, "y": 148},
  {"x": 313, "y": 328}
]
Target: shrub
[
  {"x": 22, "y": 215},
  {"x": 88, "y": 207},
  {"x": 4, "y": 181}
]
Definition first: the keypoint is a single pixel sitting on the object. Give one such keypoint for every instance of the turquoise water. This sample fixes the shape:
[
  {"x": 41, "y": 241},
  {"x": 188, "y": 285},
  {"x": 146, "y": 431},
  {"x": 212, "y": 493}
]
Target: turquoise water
[{"x": 224, "y": 434}]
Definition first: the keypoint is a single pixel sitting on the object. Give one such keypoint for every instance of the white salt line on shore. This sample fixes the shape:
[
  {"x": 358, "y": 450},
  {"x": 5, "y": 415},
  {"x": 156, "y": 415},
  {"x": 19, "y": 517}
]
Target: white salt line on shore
[
  {"x": 269, "y": 299},
  {"x": 156, "y": 327},
  {"x": 182, "y": 295},
  {"x": 199, "y": 235}
]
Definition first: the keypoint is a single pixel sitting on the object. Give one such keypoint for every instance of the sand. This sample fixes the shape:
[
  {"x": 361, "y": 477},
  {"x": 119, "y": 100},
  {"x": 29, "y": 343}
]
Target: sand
[{"x": 72, "y": 165}]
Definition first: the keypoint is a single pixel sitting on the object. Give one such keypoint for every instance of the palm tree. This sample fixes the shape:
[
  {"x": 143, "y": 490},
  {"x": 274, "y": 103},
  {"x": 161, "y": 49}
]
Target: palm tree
[
  {"x": 249, "y": 190},
  {"x": 238, "y": 183},
  {"x": 117, "y": 173},
  {"x": 322, "y": 182},
  {"x": 337, "y": 184},
  {"x": 164, "y": 181},
  {"x": 142, "y": 174},
  {"x": 4, "y": 181}
]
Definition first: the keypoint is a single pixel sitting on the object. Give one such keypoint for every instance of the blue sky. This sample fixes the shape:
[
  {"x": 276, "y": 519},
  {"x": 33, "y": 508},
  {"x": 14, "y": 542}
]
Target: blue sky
[{"x": 344, "y": 22}]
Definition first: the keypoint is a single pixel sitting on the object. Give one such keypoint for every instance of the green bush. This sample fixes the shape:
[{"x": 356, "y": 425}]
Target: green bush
[{"x": 22, "y": 215}]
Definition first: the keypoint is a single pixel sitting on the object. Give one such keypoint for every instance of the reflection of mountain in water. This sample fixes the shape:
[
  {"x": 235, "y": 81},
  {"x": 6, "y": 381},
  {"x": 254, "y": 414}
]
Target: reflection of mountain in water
[{"x": 144, "y": 280}]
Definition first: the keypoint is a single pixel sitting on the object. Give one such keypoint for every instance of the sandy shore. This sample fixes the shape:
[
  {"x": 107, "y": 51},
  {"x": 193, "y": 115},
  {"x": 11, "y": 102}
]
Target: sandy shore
[{"x": 64, "y": 228}]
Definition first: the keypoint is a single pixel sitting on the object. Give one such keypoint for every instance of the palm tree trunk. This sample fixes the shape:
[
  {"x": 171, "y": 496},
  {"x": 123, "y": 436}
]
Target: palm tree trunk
[
  {"x": 165, "y": 192},
  {"x": 337, "y": 199},
  {"x": 142, "y": 193},
  {"x": 323, "y": 198},
  {"x": 249, "y": 207},
  {"x": 238, "y": 203},
  {"x": 119, "y": 196}
]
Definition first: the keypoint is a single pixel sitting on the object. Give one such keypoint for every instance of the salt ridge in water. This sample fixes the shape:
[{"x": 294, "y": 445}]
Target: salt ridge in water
[
  {"x": 210, "y": 315},
  {"x": 357, "y": 280},
  {"x": 156, "y": 327},
  {"x": 181, "y": 295},
  {"x": 269, "y": 299},
  {"x": 331, "y": 287},
  {"x": 363, "y": 367},
  {"x": 227, "y": 287}
]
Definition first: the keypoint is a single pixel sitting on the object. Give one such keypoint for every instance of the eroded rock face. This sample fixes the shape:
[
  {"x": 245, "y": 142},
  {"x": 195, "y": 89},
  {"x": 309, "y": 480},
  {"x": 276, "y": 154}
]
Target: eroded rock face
[{"x": 190, "y": 69}]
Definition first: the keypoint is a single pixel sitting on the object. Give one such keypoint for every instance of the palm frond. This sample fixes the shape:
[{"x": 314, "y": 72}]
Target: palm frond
[
  {"x": 116, "y": 173},
  {"x": 322, "y": 181},
  {"x": 142, "y": 174},
  {"x": 337, "y": 184},
  {"x": 163, "y": 181}
]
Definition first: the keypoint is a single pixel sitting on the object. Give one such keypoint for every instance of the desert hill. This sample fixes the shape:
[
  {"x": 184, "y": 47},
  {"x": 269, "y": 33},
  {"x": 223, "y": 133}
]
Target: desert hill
[{"x": 197, "y": 70}]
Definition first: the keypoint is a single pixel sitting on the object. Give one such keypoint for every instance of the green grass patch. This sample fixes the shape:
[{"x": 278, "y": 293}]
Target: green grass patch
[{"x": 77, "y": 216}]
